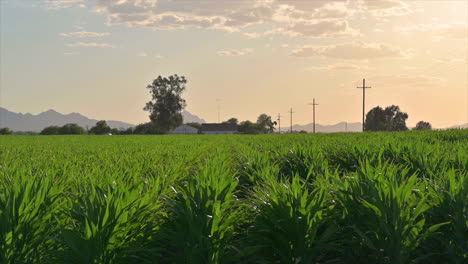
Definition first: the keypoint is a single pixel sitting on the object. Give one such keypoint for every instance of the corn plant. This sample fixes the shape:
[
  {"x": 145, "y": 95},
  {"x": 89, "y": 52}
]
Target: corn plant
[
  {"x": 291, "y": 223},
  {"x": 384, "y": 210}
]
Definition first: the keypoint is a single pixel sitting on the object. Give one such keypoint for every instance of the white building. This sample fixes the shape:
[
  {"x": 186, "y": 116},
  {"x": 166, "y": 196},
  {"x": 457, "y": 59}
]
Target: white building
[
  {"x": 184, "y": 130},
  {"x": 218, "y": 129}
]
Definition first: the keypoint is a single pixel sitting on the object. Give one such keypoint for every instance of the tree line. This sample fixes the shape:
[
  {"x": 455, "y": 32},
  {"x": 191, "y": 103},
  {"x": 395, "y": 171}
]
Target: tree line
[
  {"x": 390, "y": 119},
  {"x": 166, "y": 105},
  {"x": 101, "y": 128}
]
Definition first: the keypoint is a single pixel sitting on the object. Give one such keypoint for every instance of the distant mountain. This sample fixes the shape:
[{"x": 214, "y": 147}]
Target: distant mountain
[
  {"x": 460, "y": 126},
  {"x": 35, "y": 123},
  {"x": 340, "y": 127},
  {"x": 190, "y": 118}
]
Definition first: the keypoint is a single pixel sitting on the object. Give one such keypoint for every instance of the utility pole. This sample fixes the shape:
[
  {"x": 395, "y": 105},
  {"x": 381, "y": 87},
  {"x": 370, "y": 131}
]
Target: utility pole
[
  {"x": 279, "y": 123},
  {"x": 363, "y": 101},
  {"x": 219, "y": 110},
  {"x": 291, "y": 112},
  {"x": 313, "y": 105}
]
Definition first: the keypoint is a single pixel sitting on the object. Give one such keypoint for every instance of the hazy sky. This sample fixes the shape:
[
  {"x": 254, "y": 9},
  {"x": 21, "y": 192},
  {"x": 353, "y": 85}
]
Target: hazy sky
[{"x": 96, "y": 57}]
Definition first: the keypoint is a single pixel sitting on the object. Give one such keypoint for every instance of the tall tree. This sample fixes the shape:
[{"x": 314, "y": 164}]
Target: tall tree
[
  {"x": 422, "y": 125},
  {"x": 266, "y": 124},
  {"x": 100, "y": 128},
  {"x": 388, "y": 119},
  {"x": 167, "y": 103}
]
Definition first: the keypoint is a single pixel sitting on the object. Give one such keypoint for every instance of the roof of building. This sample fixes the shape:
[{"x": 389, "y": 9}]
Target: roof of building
[
  {"x": 218, "y": 127},
  {"x": 185, "y": 128}
]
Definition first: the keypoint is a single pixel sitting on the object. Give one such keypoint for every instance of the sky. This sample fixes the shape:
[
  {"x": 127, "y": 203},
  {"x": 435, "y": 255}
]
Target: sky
[{"x": 243, "y": 57}]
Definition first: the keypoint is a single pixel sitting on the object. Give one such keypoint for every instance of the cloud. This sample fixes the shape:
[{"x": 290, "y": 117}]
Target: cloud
[
  {"x": 233, "y": 53},
  {"x": 71, "y": 53},
  {"x": 141, "y": 54},
  {"x": 226, "y": 15},
  {"x": 382, "y": 8},
  {"x": 338, "y": 66},
  {"x": 90, "y": 45},
  {"x": 83, "y": 34},
  {"x": 458, "y": 31},
  {"x": 318, "y": 28},
  {"x": 407, "y": 81},
  {"x": 158, "y": 57},
  {"x": 351, "y": 51},
  {"x": 59, "y": 4},
  {"x": 250, "y": 35}
]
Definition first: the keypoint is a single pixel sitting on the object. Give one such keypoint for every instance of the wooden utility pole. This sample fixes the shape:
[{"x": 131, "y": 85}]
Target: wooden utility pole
[
  {"x": 279, "y": 123},
  {"x": 363, "y": 101},
  {"x": 291, "y": 112},
  {"x": 313, "y": 105},
  {"x": 219, "y": 110}
]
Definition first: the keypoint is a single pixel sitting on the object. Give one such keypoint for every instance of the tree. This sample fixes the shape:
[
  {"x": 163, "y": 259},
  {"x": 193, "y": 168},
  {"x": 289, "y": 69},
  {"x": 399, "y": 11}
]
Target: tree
[
  {"x": 422, "y": 125},
  {"x": 388, "y": 119},
  {"x": 127, "y": 131},
  {"x": 265, "y": 124},
  {"x": 247, "y": 127},
  {"x": 71, "y": 129},
  {"x": 5, "y": 131},
  {"x": 166, "y": 104},
  {"x": 50, "y": 130},
  {"x": 100, "y": 128},
  {"x": 115, "y": 131},
  {"x": 233, "y": 121},
  {"x": 149, "y": 128}
]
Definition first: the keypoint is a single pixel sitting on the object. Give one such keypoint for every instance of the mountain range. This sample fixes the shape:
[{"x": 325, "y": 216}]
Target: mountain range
[
  {"x": 340, "y": 127},
  {"x": 35, "y": 123}
]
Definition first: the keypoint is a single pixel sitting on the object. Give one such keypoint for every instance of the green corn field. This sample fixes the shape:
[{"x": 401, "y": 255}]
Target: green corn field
[{"x": 334, "y": 198}]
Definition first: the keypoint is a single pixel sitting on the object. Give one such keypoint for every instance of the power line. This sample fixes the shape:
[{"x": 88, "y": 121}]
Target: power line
[
  {"x": 363, "y": 101},
  {"x": 291, "y": 112},
  {"x": 313, "y": 105}
]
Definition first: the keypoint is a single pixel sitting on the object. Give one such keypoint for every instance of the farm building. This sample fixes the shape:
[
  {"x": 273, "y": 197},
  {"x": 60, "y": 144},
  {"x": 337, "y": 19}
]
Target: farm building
[
  {"x": 184, "y": 130},
  {"x": 218, "y": 129}
]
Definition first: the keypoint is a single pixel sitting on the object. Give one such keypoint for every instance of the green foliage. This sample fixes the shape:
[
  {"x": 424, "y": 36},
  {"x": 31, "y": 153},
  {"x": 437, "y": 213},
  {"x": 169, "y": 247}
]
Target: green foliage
[
  {"x": 265, "y": 124},
  {"x": 71, "y": 129},
  {"x": 247, "y": 127},
  {"x": 302, "y": 198},
  {"x": 50, "y": 130},
  {"x": 291, "y": 223},
  {"x": 68, "y": 129},
  {"x": 166, "y": 104},
  {"x": 149, "y": 128},
  {"x": 422, "y": 125},
  {"x": 388, "y": 119},
  {"x": 232, "y": 120},
  {"x": 101, "y": 128},
  {"x": 5, "y": 131}
]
